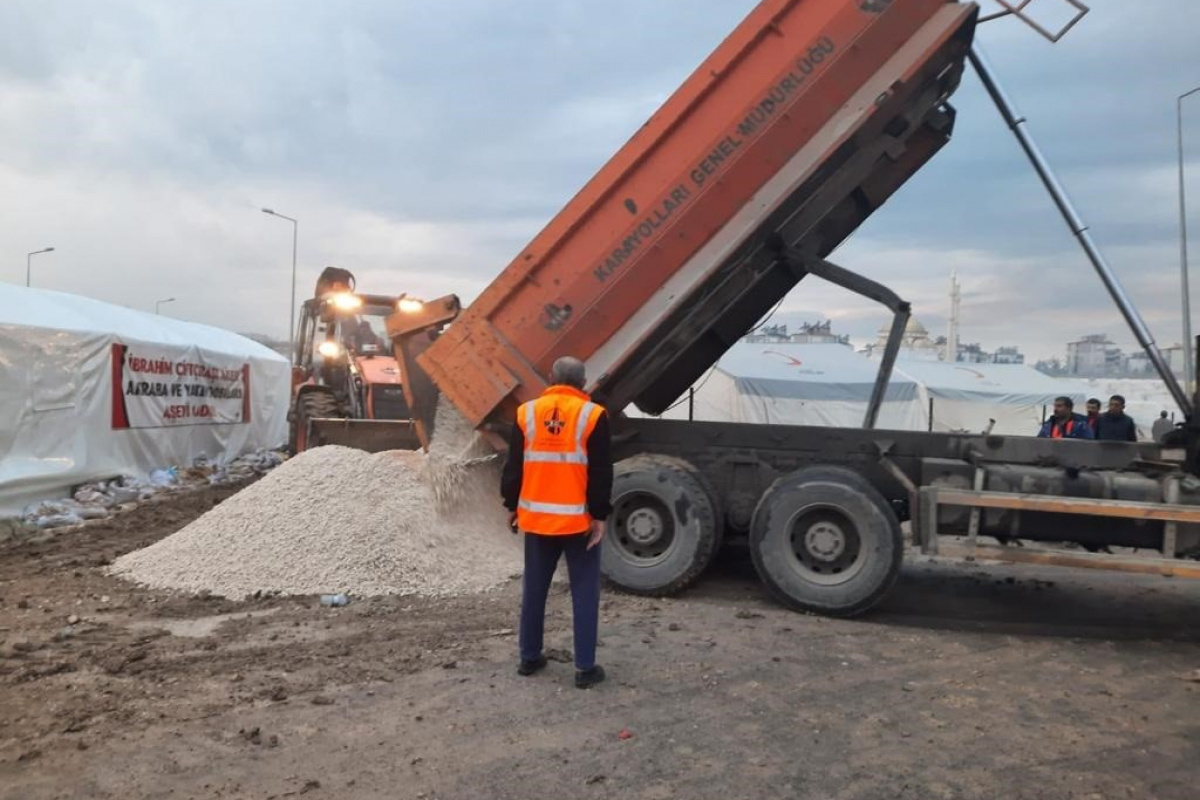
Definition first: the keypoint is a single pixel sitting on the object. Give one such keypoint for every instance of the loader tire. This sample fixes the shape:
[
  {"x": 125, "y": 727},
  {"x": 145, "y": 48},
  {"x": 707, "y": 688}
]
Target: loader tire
[
  {"x": 311, "y": 405},
  {"x": 824, "y": 540},
  {"x": 664, "y": 530}
]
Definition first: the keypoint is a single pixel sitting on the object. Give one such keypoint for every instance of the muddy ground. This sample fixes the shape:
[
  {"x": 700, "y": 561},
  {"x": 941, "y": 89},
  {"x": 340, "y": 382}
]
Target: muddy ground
[{"x": 968, "y": 682}]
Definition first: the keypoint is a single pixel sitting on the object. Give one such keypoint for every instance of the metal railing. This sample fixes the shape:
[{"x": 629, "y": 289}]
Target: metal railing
[{"x": 1019, "y": 10}]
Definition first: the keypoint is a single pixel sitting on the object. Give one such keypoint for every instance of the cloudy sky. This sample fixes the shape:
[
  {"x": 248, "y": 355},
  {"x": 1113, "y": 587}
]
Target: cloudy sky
[{"x": 422, "y": 144}]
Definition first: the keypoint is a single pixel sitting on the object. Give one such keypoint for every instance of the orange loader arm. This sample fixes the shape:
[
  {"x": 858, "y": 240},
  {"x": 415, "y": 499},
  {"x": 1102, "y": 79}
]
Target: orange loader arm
[{"x": 413, "y": 329}]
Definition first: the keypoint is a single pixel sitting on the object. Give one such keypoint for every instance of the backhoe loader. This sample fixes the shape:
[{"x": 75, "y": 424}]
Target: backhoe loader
[{"x": 348, "y": 378}]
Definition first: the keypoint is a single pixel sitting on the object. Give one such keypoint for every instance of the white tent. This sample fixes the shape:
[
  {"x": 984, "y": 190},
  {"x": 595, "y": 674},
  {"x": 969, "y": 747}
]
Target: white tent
[
  {"x": 90, "y": 390},
  {"x": 830, "y": 384},
  {"x": 967, "y": 396},
  {"x": 798, "y": 384}
]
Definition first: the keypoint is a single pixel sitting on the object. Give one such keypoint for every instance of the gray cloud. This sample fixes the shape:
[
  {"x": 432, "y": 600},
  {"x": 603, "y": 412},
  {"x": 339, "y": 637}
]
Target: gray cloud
[{"x": 422, "y": 144}]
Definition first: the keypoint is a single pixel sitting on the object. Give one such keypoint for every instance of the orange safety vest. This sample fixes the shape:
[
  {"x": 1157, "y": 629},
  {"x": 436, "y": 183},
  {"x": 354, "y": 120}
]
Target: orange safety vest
[
  {"x": 554, "y": 478},
  {"x": 1061, "y": 431}
]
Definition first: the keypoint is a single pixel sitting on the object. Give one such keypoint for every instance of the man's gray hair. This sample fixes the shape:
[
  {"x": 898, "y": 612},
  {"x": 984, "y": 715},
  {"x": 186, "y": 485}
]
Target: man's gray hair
[{"x": 568, "y": 371}]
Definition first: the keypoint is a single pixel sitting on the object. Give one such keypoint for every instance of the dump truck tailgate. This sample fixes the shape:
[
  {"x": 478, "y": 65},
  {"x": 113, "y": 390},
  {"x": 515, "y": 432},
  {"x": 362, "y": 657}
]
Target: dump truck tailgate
[{"x": 802, "y": 122}]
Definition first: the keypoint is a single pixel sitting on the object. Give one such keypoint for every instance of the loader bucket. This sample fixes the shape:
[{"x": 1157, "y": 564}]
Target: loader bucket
[
  {"x": 371, "y": 435},
  {"x": 413, "y": 329},
  {"x": 419, "y": 389}
]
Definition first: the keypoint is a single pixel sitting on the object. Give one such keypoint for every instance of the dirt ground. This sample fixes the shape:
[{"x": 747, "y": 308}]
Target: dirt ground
[{"x": 969, "y": 682}]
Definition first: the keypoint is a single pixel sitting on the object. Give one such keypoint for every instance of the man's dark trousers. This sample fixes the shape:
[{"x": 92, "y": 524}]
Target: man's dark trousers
[{"x": 583, "y": 568}]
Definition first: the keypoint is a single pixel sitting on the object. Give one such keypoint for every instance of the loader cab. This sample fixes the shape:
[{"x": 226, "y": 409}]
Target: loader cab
[{"x": 339, "y": 330}]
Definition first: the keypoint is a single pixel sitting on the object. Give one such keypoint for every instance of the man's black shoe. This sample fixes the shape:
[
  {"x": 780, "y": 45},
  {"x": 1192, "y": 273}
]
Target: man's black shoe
[
  {"x": 587, "y": 678},
  {"x": 527, "y": 668}
]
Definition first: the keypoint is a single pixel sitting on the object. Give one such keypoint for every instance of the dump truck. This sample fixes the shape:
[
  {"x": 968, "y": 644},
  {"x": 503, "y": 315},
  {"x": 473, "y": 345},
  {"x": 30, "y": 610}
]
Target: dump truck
[{"x": 802, "y": 123}]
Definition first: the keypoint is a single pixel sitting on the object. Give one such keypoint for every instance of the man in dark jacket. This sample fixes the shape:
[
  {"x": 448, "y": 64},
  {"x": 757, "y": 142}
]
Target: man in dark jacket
[
  {"x": 1114, "y": 425},
  {"x": 1065, "y": 424},
  {"x": 1093, "y": 414},
  {"x": 557, "y": 487}
]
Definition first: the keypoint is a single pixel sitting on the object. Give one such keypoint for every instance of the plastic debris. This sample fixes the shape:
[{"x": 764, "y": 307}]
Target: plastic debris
[
  {"x": 164, "y": 477},
  {"x": 100, "y": 499}
]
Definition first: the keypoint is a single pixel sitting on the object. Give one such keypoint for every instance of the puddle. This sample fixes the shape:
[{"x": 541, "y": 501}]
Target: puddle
[{"x": 198, "y": 627}]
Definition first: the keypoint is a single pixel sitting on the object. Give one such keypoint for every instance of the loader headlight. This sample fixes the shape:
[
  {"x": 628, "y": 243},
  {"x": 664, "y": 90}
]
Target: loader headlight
[
  {"x": 409, "y": 305},
  {"x": 329, "y": 349},
  {"x": 344, "y": 301}
]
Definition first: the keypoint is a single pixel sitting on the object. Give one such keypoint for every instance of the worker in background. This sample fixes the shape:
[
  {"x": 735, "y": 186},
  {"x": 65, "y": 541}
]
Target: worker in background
[
  {"x": 1162, "y": 426},
  {"x": 1115, "y": 425},
  {"x": 366, "y": 338},
  {"x": 557, "y": 487},
  {"x": 1093, "y": 414},
  {"x": 1065, "y": 423}
]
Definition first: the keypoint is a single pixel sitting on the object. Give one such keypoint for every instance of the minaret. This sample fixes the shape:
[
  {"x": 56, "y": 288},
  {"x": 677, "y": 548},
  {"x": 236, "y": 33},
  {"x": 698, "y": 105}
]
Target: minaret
[{"x": 951, "y": 353}]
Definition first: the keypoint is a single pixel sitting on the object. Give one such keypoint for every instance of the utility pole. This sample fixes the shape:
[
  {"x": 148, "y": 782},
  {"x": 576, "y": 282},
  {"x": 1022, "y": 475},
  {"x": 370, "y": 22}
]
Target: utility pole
[
  {"x": 29, "y": 263},
  {"x": 292, "y": 309},
  {"x": 1189, "y": 377}
]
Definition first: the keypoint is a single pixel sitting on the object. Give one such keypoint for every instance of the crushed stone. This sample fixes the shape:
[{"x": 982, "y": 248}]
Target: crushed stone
[{"x": 334, "y": 519}]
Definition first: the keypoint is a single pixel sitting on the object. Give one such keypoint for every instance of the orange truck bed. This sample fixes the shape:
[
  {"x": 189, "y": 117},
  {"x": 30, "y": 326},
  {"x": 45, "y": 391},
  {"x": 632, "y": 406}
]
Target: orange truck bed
[{"x": 801, "y": 123}]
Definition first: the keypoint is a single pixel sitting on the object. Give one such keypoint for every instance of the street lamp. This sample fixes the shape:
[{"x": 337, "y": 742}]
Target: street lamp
[
  {"x": 1188, "y": 362},
  {"x": 292, "y": 308},
  {"x": 160, "y": 303},
  {"x": 29, "y": 262}
]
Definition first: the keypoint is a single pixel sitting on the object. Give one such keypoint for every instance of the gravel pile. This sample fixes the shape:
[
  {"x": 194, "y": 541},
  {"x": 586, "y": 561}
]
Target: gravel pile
[{"x": 334, "y": 519}]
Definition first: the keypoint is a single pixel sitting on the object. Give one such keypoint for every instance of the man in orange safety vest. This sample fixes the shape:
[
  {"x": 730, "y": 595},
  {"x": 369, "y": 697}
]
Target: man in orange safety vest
[{"x": 557, "y": 486}]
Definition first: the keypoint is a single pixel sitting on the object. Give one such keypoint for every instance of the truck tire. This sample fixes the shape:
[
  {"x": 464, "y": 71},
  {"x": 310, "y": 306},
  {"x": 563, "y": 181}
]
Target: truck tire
[
  {"x": 710, "y": 491},
  {"x": 311, "y": 405},
  {"x": 824, "y": 540},
  {"x": 663, "y": 532}
]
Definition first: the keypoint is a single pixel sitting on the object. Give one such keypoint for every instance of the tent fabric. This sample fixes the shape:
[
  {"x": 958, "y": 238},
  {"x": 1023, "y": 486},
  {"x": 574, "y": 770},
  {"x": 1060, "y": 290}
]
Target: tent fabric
[
  {"x": 830, "y": 384},
  {"x": 797, "y": 384},
  {"x": 90, "y": 390},
  {"x": 966, "y": 397},
  {"x": 1001, "y": 383}
]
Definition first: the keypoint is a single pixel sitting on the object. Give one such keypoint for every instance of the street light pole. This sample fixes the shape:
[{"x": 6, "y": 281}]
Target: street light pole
[
  {"x": 292, "y": 308},
  {"x": 1188, "y": 364},
  {"x": 158, "y": 304},
  {"x": 29, "y": 263}
]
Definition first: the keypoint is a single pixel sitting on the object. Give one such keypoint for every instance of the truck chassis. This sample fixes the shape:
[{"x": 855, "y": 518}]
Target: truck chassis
[{"x": 821, "y": 508}]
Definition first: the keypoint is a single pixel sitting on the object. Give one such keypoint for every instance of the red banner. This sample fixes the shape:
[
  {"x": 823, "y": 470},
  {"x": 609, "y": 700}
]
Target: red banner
[{"x": 156, "y": 386}]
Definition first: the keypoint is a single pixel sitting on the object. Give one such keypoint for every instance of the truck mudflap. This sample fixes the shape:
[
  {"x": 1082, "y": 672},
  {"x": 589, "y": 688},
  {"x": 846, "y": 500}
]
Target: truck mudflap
[{"x": 371, "y": 435}]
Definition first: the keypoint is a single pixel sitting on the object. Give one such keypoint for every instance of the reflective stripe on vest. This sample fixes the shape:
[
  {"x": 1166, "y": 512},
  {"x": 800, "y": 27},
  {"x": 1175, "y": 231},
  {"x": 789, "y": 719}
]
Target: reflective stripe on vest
[
  {"x": 553, "y": 508},
  {"x": 580, "y": 426},
  {"x": 556, "y": 458},
  {"x": 554, "y": 484},
  {"x": 530, "y": 424}
]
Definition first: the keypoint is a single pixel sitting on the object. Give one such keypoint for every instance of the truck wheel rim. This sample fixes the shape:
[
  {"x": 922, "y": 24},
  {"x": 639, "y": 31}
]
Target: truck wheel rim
[
  {"x": 826, "y": 541},
  {"x": 645, "y": 529},
  {"x": 645, "y": 526},
  {"x": 825, "y": 546}
]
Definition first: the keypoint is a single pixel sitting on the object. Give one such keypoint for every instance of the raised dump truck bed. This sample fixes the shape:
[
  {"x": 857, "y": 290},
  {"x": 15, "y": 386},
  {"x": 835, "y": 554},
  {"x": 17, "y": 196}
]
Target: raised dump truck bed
[
  {"x": 805, "y": 119},
  {"x": 801, "y": 124}
]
